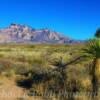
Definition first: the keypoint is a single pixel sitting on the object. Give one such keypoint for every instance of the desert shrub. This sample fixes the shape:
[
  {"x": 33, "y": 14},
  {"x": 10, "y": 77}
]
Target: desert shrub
[
  {"x": 5, "y": 64},
  {"x": 21, "y": 68},
  {"x": 80, "y": 75}
]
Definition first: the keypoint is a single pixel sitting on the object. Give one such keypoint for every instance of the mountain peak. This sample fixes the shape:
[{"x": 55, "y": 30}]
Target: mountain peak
[{"x": 14, "y": 25}]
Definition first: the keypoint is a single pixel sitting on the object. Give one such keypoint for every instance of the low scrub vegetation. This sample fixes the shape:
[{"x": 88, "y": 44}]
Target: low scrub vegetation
[{"x": 63, "y": 72}]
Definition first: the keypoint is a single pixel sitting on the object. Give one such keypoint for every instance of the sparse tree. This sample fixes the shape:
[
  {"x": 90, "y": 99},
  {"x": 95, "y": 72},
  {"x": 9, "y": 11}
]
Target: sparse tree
[{"x": 97, "y": 34}]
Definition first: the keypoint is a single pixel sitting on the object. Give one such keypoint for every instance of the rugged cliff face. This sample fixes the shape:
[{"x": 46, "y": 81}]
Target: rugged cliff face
[{"x": 24, "y": 34}]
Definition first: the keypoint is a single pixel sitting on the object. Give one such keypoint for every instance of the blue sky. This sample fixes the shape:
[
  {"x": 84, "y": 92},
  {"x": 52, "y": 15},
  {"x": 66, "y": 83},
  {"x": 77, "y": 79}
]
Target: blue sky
[{"x": 78, "y": 19}]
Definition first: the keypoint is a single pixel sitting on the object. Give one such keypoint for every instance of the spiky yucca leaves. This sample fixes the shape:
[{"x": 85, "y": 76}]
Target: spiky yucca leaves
[
  {"x": 92, "y": 51},
  {"x": 61, "y": 67},
  {"x": 92, "y": 48}
]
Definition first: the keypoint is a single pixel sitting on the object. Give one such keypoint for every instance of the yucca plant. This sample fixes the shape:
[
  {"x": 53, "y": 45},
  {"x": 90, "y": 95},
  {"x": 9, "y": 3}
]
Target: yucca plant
[
  {"x": 92, "y": 51},
  {"x": 60, "y": 67}
]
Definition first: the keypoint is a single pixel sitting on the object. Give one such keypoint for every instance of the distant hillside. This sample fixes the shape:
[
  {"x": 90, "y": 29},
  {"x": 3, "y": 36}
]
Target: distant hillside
[{"x": 24, "y": 34}]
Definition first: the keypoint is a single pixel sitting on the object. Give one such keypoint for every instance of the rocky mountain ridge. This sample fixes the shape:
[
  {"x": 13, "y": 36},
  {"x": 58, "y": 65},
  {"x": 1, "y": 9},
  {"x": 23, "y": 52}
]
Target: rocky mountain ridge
[{"x": 24, "y": 34}]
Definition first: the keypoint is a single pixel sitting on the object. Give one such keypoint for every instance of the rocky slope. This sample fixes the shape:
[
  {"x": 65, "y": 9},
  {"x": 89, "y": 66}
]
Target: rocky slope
[{"x": 24, "y": 34}]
